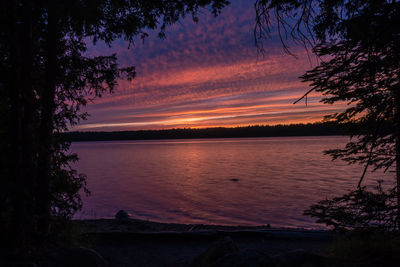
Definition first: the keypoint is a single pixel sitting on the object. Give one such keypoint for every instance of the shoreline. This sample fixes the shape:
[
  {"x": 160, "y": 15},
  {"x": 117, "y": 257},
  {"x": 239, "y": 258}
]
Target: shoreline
[
  {"x": 208, "y": 138},
  {"x": 135, "y": 227},
  {"x": 289, "y": 130}
]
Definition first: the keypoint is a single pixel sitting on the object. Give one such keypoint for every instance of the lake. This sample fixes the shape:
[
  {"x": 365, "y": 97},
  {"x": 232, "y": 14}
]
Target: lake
[{"x": 238, "y": 181}]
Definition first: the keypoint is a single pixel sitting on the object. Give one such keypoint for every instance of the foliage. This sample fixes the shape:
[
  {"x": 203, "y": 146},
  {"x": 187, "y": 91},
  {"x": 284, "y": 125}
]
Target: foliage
[
  {"x": 357, "y": 44},
  {"x": 46, "y": 77},
  {"x": 367, "y": 249},
  {"x": 362, "y": 70},
  {"x": 358, "y": 210}
]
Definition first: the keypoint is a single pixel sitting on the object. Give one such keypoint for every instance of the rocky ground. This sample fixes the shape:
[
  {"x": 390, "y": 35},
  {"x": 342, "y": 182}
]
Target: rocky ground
[{"x": 129, "y": 242}]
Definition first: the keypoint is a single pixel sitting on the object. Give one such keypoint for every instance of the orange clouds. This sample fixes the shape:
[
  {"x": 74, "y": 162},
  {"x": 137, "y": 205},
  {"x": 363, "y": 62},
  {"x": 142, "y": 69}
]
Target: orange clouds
[{"x": 206, "y": 74}]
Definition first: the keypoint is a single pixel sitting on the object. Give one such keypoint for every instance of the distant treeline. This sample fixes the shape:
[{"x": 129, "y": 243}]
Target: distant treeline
[{"x": 310, "y": 129}]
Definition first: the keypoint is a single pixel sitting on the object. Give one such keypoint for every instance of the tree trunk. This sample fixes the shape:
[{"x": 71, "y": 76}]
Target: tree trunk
[
  {"x": 47, "y": 123},
  {"x": 27, "y": 135},
  {"x": 17, "y": 229},
  {"x": 21, "y": 93},
  {"x": 397, "y": 149}
]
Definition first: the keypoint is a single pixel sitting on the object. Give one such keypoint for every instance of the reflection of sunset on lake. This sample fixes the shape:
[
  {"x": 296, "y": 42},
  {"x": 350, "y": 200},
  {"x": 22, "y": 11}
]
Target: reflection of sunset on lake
[
  {"x": 207, "y": 74},
  {"x": 190, "y": 181}
]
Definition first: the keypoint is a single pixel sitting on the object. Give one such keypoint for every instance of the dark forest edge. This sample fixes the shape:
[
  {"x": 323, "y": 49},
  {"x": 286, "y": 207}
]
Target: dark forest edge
[{"x": 309, "y": 129}]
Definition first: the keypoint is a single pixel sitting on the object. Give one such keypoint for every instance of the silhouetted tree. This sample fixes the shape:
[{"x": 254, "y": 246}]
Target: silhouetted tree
[
  {"x": 46, "y": 77},
  {"x": 358, "y": 47},
  {"x": 359, "y": 210},
  {"x": 310, "y": 129}
]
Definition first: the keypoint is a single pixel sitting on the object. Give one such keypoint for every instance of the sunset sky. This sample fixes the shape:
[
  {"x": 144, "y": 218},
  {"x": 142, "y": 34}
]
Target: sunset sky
[{"x": 206, "y": 74}]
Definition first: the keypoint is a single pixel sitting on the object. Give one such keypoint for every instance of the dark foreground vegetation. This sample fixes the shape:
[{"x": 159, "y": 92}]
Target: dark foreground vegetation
[
  {"x": 149, "y": 243},
  {"x": 47, "y": 76},
  {"x": 130, "y": 242},
  {"x": 311, "y": 129}
]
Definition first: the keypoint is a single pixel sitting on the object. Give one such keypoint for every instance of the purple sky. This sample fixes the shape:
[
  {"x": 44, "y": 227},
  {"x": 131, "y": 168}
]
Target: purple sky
[{"x": 206, "y": 74}]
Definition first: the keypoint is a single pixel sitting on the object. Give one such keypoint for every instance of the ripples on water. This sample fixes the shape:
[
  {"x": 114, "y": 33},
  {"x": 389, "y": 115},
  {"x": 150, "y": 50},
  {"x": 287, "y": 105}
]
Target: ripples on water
[{"x": 190, "y": 181}]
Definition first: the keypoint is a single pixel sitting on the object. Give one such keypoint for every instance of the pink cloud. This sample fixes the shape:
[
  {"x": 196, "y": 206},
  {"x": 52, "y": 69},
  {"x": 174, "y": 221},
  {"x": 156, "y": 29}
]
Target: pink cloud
[{"x": 207, "y": 73}]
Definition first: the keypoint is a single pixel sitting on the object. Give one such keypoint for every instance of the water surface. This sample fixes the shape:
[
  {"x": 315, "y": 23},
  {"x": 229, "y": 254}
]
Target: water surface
[{"x": 238, "y": 181}]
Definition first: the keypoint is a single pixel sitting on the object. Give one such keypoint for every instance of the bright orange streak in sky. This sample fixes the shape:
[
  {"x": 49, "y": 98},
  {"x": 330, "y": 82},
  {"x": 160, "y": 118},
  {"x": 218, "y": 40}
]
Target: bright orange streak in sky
[{"x": 207, "y": 75}]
